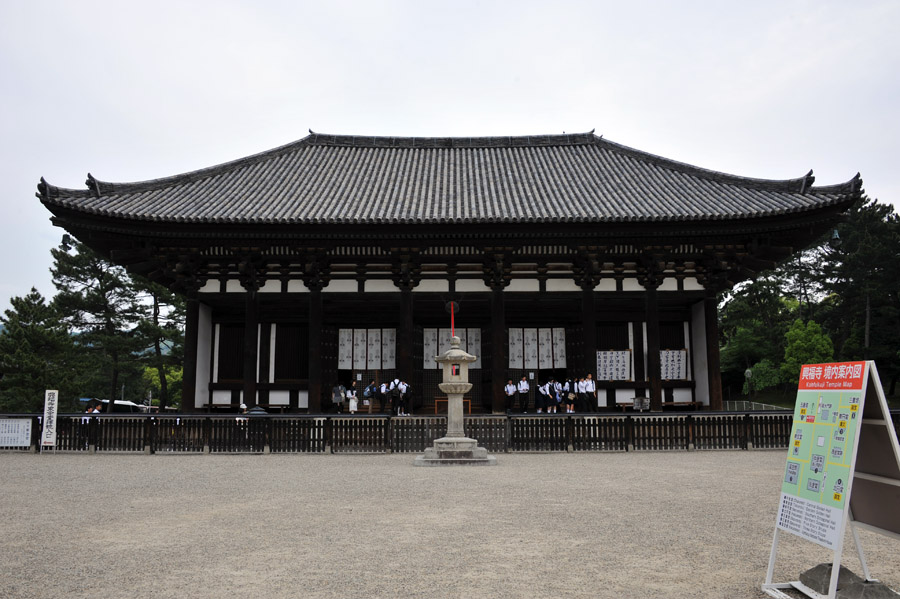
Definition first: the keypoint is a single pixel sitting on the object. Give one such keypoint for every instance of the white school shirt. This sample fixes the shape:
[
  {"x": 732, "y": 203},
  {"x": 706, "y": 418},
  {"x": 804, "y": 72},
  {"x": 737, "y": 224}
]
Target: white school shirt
[
  {"x": 581, "y": 387},
  {"x": 351, "y": 393},
  {"x": 523, "y": 387},
  {"x": 544, "y": 389},
  {"x": 566, "y": 387},
  {"x": 510, "y": 389},
  {"x": 589, "y": 386},
  {"x": 558, "y": 386},
  {"x": 384, "y": 388},
  {"x": 403, "y": 387}
]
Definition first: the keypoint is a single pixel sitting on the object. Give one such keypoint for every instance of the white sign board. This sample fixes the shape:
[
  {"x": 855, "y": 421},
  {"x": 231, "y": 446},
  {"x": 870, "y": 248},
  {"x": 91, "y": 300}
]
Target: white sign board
[
  {"x": 841, "y": 435},
  {"x": 614, "y": 365},
  {"x": 15, "y": 432},
  {"x": 48, "y": 436}
]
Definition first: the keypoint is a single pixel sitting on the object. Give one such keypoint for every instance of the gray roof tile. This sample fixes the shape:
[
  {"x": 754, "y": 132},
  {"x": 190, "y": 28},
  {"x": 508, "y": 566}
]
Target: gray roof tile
[{"x": 371, "y": 180}]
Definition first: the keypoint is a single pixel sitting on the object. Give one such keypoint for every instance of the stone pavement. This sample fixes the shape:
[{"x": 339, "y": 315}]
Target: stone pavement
[{"x": 668, "y": 525}]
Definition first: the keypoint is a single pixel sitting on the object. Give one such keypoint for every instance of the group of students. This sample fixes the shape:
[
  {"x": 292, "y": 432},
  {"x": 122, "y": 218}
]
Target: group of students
[
  {"x": 395, "y": 392},
  {"x": 573, "y": 395}
]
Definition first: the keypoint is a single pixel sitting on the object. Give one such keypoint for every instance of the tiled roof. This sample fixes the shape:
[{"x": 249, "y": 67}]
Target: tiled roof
[{"x": 369, "y": 180}]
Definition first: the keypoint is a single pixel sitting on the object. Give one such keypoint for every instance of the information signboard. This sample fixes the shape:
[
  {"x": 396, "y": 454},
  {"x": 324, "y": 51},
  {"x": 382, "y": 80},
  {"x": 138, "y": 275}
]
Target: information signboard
[
  {"x": 841, "y": 435},
  {"x": 48, "y": 436},
  {"x": 822, "y": 447},
  {"x": 15, "y": 432}
]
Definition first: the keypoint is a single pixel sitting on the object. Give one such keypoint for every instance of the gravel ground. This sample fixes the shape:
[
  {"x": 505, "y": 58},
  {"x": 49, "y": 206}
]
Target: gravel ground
[{"x": 686, "y": 524}]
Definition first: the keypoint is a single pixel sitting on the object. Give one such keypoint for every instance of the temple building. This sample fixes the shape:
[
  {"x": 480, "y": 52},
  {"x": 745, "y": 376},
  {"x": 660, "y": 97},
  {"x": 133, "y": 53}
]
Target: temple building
[{"x": 334, "y": 258}]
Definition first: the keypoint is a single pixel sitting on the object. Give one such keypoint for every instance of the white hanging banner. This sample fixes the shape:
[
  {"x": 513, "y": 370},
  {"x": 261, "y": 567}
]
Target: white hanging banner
[
  {"x": 429, "y": 348},
  {"x": 559, "y": 347},
  {"x": 51, "y": 404},
  {"x": 614, "y": 365},
  {"x": 474, "y": 345},
  {"x": 373, "y": 362},
  {"x": 530, "y": 343},
  {"x": 360, "y": 345},
  {"x": 516, "y": 355},
  {"x": 843, "y": 465},
  {"x": 388, "y": 348},
  {"x": 345, "y": 349}
]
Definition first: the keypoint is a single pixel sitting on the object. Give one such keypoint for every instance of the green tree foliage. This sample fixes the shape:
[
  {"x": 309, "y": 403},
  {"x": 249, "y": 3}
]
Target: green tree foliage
[
  {"x": 161, "y": 330},
  {"x": 861, "y": 278},
  {"x": 753, "y": 320},
  {"x": 763, "y": 375},
  {"x": 97, "y": 302},
  {"x": 173, "y": 377},
  {"x": 36, "y": 354},
  {"x": 805, "y": 343}
]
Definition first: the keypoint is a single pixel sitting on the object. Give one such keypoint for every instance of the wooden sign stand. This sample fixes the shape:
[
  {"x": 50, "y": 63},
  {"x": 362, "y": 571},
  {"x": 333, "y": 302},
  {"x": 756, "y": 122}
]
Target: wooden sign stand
[{"x": 843, "y": 467}]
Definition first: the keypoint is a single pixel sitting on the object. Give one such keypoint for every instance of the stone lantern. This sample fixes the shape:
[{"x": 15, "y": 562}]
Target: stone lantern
[{"x": 455, "y": 448}]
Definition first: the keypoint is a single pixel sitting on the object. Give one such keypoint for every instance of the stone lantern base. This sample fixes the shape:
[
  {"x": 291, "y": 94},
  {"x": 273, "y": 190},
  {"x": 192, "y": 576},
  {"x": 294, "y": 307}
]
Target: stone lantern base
[{"x": 456, "y": 451}]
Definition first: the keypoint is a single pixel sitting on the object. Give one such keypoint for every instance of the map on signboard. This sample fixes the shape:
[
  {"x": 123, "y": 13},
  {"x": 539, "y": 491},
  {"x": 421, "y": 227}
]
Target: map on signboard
[{"x": 820, "y": 455}]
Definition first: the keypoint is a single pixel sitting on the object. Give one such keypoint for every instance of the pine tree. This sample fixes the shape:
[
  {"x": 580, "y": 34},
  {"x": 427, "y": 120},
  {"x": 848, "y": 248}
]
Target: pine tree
[
  {"x": 36, "y": 354},
  {"x": 96, "y": 299}
]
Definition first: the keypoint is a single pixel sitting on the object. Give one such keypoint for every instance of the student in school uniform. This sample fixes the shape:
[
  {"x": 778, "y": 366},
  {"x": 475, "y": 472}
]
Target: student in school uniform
[
  {"x": 510, "y": 391},
  {"x": 590, "y": 390},
  {"x": 522, "y": 391}
]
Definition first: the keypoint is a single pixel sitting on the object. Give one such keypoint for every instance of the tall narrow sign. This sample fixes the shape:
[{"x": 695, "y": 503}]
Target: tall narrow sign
[
  {"x": 48, "y": 436},
  {"x": 841, "y": 432}
]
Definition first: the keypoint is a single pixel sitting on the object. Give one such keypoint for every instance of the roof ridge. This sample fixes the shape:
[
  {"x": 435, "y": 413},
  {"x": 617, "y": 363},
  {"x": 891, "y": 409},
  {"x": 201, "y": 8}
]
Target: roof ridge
[{"x": 494, "y": 141}]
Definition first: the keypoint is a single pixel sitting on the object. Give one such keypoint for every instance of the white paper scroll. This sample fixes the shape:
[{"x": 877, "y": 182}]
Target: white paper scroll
[
  {"x": 429, "y": 348},
  {"x": 516, "y": 355},
  {"x": 545, "y": 348},
  {"x": 474, "y": 346},
  {"x": 673, "y": 364},
  {"x": 388, "y": 348},
  {"x": 359, "y": 349},
  {"x": 614, "y": 365},
  {"x": 345, "y": 349},
  {"x": 373, "y": 350},
  {"x": 530, "y": 344},
  {"x": 559, "y": 348}
]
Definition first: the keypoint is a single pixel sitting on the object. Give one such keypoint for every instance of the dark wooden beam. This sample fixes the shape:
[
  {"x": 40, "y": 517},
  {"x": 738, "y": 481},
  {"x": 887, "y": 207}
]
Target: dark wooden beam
[
  {"x": 499, "y": 346},
  {"x": 189, "y": 375},
  {"x": 315, "y": 350},
  {"x": 251, "y": 333},
  {"x": 710, "y": 312}
]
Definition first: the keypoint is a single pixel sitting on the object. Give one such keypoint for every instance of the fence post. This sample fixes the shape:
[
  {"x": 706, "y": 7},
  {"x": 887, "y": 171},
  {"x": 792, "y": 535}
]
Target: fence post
[
  {"x": 207, "y": 433},
  {"x": 329, "y": 434},
  {"x": 267, "y": 429},
  {"x": 93, "y": 433},
  {"x": 508, "y": 432},
  {"x": 629, "y": 432},
  {"x": 389, "y": 434},
  {"x": 748, "y": 431},
  {"x": 570, "y": 435},
  {"x": 35, "y": 434},
  {"x": 148, "y": 435},
  {"x": 690, "y": 431}
]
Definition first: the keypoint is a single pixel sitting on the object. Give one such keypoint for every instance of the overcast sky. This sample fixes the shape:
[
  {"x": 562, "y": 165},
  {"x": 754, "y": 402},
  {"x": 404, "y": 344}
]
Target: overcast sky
[{"x": 131, "y": 91}]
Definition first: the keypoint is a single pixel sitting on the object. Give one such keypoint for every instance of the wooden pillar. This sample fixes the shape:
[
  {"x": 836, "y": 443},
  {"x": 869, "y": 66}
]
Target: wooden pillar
[
  {"x": 405, "y": 334},
  {"x": 189, "y": 376},
  {"x": 589, "y": 322},
  {"x": 637, "y": 333},
  {"x": 499, "y": 346},
  {"x": 710, "y": 311},
  {"x": 653, "y": 365},
  {"x": 315, "y": 350},
  {"x": 251, "y": 335}
]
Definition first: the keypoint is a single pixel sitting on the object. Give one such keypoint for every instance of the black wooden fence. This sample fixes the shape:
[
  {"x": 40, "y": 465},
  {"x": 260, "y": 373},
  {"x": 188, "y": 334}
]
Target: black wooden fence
[{"x": 412, "y": 434}]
